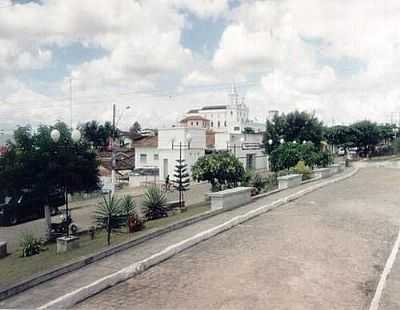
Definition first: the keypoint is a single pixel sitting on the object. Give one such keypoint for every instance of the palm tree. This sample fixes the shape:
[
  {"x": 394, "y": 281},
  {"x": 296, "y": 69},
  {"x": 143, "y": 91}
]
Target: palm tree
[{"x": 109, "y": 215}]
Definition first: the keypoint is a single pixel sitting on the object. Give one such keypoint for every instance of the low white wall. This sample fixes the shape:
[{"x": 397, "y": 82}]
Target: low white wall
[
  {"x": 322, "y": 172},
  {"x": 230, "y": 198},
  {"x": 139, "y": 180},
  {"x": 289, "y": 181}
]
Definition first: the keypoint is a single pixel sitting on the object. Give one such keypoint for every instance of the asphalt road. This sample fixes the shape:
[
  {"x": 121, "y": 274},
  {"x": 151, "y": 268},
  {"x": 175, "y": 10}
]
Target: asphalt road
[
  {"x": 82, "y": 214},
  {"x": 323, "y": 251}
]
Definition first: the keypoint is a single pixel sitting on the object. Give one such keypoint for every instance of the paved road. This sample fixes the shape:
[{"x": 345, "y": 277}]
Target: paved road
[
  {"x": 83, "y": 215},
  {"x": 324, "y": 251}
]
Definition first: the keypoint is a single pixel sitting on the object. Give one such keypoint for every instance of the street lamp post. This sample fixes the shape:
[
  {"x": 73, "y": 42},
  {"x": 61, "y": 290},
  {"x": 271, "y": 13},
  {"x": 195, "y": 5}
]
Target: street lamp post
[{"x": 76, "y": 137}]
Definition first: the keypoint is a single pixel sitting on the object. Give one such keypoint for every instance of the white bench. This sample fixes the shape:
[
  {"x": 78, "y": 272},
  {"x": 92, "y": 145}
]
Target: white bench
[
  {"x": 230, "y": 198},
  {"x": 289, "y": 181},
  {"x": 322, "y": 172}
]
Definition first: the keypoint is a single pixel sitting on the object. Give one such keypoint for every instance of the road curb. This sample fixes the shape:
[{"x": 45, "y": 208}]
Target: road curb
[{"x": 85, "y": 292}]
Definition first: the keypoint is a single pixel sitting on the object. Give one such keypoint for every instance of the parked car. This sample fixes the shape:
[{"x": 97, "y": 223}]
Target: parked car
[{"x": 28, "y": 206}]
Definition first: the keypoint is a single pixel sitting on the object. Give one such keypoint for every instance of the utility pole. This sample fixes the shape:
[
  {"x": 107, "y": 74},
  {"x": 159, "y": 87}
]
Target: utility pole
[
  {"x": 70, "y": 100},
  {"x": 113, "y": 154}
]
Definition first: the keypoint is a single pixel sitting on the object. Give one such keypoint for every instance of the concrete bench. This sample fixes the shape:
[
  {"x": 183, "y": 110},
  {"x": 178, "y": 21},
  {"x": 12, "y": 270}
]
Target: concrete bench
[
  {"x": 289, "y": 181},
  {"x": 230, "y": 198},
  {"x": 322, "y": 172},
  {"x": 3, "y": 249}
]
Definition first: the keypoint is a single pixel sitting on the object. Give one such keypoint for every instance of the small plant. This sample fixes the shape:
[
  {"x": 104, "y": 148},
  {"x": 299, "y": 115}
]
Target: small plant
[
  {"x": 247, "y": 178},
  {"x": 259, "y": 183},
  {"x": 154, "y": 201},
  {"x": 30, "y": 245},
  {"x": 128, "y": 207},
  {"x": 302, "y": 169},
  {"x": 135, "y": 223},
  {"x": 109, "y": 215}
]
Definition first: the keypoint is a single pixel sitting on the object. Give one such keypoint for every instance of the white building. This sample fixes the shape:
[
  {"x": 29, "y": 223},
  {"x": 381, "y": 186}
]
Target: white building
[
  {"x": 232, "y": 118},
  {"x": 247, "y": 147},
  {"x": 146, "y": 152},
  {"x": 191, "y": 142}
]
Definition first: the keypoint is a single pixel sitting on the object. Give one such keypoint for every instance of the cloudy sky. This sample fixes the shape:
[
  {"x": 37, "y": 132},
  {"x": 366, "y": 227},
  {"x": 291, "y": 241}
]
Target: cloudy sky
[{"x": 338, "y": 58}]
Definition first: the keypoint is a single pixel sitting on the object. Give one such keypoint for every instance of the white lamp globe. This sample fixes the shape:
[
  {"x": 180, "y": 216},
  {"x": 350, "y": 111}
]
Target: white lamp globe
[
  {"x": 242, "y": 140},
  {"x": 55, "y": 135},
  {"x": 304, "y": 142},
  {"x": 76, "y": 135},
  {"x": 270, "y": 141},
  {"x": 294, "y": 142},
  {"x": 188, "y": 138},
  {"x": 282, "y": 141}
]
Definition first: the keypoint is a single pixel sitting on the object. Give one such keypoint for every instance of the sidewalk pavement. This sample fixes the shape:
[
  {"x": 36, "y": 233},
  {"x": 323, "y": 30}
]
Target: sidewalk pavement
[{"x": 60, "y": 286}]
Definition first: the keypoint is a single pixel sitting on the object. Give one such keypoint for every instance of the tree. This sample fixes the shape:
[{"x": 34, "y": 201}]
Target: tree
[
  {"x": 295, "y": 126},
  {"x": 37, "y": 163},
  {"x": 109, "y": 215},
  {"x": 221, "y": 170},
  {"x": 134, "y": 131},
  {"x": 288, "y": 155},
  {"x": 182, "y": 179},
  {"x": 340, "y": 136},
  {"x": 366, "y": 136},
  {"x": 97, "y": 134}
]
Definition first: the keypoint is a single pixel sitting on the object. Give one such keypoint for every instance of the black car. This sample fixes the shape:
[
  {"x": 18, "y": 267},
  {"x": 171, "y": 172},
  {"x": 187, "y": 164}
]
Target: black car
[{"x": 27, "y": 206}]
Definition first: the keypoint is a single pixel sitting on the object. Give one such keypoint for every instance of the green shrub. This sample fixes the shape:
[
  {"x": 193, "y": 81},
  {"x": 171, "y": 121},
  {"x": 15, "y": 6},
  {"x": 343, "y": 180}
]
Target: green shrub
[
  {"x": 259, "y": 183},
  {"x": 154, "y": 202},
  {"x": 247, "y": 178},
  {"x": 29, "y": 244},
  {"x": 302, "y": 169},
  {"x": 271, "y": 182}
]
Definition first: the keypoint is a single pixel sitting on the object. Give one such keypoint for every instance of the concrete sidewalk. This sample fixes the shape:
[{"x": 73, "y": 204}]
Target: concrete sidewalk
[{"x": 60, "y": 286}]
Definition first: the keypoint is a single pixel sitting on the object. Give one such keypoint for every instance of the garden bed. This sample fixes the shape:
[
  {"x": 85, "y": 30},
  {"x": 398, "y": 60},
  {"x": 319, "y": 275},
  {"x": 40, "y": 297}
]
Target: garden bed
[{"x": 14, "y": 268}]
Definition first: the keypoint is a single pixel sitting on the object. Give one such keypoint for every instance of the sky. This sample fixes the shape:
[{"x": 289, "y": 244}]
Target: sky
[{"x": 339, "y": 59}]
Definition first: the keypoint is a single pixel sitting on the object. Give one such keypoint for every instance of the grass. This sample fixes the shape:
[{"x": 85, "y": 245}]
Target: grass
[{"x": 14, "y": 268}]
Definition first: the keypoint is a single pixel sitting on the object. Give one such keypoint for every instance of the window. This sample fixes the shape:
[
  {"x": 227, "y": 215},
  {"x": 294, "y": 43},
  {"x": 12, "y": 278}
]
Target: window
[
  {"x": 191, "y": 123},
  {"x": 143, "y": 158},
  {"x": 236, "y": 128},
  {"x": 219, "y": 124},
  {"x": 155, "y": 157},
  {"x": 197, "y": 123},
  {"x": 225, "y": 124},
  {"x": 212, "y": 124}
]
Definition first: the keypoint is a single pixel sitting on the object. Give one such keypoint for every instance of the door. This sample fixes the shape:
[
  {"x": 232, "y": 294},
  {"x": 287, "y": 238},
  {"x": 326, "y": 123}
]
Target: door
[
  {"x": 165, "y": 165},
  {"x": 250, "y": 161}
]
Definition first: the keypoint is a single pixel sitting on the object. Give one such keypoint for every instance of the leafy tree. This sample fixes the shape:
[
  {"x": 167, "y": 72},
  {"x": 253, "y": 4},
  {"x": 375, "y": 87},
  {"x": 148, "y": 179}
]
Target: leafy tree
[
  {"x": 288, "y": 155},
  {"x": 97, "y": 134},
  {"x": 109, "y": 215},
  {"x": 295, "y": 126},
  {"x": 221, "y": 170},
  {"x": 35, "y": 162},
  {"x": 340, "y": 136},
  {"x": 366, "y": 136},
  {"x": 134, "y": 131},
  {"x": 155, "y": 201},
  {"x": 182, "y": 180}
]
